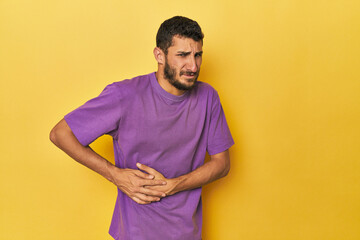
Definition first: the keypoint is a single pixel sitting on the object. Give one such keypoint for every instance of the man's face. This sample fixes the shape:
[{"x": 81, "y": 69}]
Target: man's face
[{"x": 182, "y": 62}]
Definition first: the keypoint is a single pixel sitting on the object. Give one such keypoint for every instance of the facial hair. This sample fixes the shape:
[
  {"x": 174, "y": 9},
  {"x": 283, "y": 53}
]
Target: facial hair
[{"x": 170, "y": 75}]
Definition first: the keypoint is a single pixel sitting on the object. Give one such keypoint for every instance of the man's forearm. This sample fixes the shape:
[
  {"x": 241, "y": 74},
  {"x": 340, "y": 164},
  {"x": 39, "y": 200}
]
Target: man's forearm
[
  {"x": 216, "y": 168},
  {"x": 63, "y": 138}
]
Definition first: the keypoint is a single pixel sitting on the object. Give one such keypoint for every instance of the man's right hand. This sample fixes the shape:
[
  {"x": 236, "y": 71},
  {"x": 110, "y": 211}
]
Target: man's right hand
[{"x": 132, "y": 183}]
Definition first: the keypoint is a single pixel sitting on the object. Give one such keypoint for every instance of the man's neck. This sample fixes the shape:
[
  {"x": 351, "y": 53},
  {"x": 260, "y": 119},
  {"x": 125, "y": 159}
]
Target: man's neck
[{"x": 164, "y": 83}]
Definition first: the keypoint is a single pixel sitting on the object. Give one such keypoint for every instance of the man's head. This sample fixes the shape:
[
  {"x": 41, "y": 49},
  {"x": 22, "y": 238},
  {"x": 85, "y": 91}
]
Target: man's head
[{"x": 179, "y": 51}]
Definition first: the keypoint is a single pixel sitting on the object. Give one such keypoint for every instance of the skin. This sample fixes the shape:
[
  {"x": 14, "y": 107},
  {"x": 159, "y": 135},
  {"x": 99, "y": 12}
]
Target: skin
[{"x": 184, "y": 60}]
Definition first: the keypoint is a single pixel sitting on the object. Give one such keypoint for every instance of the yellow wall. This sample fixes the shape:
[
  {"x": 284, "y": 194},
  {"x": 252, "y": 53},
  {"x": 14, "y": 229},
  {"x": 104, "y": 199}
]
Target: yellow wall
[{"x": 289, "y": 78}]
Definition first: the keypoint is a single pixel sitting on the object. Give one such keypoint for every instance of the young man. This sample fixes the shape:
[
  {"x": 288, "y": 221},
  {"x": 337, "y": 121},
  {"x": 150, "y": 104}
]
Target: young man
[{"x": 162, "y": 124}]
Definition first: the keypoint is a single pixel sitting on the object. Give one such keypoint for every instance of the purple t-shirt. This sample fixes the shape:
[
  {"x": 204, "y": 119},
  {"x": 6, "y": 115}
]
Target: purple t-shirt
[{"x": 166, "y": 132}]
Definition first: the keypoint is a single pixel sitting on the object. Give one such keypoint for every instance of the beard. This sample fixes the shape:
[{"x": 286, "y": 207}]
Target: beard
[{"x": 170, "y": 75}]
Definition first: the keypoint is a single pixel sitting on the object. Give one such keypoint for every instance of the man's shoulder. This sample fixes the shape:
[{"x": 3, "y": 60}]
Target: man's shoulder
[
  {"x": 130, "y": 86},
  {"x": 205, "y": 88},
  {"x": 135, "y": 82}
]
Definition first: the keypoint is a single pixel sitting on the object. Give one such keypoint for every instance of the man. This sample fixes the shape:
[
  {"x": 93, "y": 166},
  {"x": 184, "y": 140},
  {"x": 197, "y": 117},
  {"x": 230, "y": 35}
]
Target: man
[{"x": 162, "y": 124}]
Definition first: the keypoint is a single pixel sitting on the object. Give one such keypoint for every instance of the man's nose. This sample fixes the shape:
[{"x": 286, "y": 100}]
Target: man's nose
[{"x": 192, "y": 66}]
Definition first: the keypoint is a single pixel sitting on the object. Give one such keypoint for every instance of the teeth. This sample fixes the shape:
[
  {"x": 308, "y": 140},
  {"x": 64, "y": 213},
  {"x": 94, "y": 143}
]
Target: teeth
[{"x": 189, "y": 74}]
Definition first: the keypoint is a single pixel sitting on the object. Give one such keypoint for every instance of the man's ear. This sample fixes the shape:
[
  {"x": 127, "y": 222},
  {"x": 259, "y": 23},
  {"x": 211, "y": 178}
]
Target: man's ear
[{"x": 159, "y": 55}]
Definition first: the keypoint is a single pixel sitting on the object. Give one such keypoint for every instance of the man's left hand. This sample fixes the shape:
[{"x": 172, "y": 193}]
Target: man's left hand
[{"x": 171, "y": 183}]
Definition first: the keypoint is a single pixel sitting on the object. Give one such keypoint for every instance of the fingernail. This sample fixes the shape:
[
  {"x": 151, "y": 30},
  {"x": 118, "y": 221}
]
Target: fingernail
[
  {"x": 164, "y": 183},
  {"x": 138, "y": 164},
  {"x": 164, "y": 195},
  {"x": 151, "y": 176}
]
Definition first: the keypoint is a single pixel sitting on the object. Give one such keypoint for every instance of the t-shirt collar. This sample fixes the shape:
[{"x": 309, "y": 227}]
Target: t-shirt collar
[{"x": 163, "y": 92}]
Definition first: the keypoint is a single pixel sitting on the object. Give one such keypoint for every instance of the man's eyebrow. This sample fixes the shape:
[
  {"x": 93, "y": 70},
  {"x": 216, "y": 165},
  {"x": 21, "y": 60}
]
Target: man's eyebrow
[{"x": 184, "y": 52}]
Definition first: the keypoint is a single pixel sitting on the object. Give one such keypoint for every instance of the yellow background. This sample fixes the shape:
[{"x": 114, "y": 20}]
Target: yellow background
[{"x": 288, "y": 74}]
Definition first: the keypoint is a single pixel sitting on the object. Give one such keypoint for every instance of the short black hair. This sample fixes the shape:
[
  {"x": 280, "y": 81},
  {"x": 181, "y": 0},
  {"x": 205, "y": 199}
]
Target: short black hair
[{"x": 177, "y": 26}]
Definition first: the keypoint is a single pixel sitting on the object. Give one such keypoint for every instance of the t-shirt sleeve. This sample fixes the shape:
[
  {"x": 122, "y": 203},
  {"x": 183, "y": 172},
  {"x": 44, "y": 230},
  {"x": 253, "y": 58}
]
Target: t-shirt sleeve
[
  {"x": 96, "y": 117},
  {"x": 219, "y": 138}
]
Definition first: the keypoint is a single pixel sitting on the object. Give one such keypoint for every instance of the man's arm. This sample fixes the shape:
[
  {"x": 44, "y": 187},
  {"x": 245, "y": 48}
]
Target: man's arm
[
  {"x": 217, "y": 167},
  {"x": 129, "y": 181}
]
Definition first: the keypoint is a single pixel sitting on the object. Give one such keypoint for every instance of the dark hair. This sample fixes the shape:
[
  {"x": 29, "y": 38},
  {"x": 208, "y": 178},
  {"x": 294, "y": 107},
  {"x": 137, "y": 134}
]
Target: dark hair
[{"x": 177, "y": 26}]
